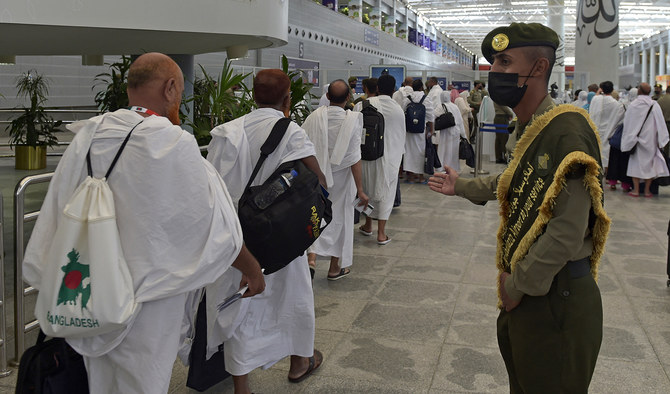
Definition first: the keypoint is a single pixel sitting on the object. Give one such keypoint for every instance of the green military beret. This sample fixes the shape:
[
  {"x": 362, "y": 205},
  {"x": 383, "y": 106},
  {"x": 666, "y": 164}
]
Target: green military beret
[
  {"x": 352, "y": 79},
  {"x": 518, "y": 35}
]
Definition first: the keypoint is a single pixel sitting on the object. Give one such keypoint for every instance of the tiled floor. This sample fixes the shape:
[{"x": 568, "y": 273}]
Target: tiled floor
[{"x": 418, "y": 315}]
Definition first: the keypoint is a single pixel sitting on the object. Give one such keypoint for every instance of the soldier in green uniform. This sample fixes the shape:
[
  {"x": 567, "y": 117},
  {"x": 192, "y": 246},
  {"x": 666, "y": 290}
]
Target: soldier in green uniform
[
  {"x": 658, "y": 92},
  {"x": 553, "y": 225},
  {"x": 475, "y": 101}
]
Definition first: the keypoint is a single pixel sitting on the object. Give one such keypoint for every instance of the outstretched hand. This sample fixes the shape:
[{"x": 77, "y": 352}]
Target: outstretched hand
[{"x": 444, "y": 182}]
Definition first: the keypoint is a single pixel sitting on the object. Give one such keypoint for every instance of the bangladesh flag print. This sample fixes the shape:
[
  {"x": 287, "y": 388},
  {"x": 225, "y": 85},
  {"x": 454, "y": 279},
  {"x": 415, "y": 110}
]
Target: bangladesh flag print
[{"x": 73, "y": 282}]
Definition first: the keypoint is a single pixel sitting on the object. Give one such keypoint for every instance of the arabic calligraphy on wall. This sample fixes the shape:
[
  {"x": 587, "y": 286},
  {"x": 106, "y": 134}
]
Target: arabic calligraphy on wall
[{"x": 598, "y": 20}]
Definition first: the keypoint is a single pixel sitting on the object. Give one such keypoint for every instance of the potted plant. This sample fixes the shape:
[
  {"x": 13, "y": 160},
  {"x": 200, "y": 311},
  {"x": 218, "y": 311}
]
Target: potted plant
[
  {"x": 301, "y": 96},
  {"x": 31, "y": 132},
  {"x": 114, "y": 96},
  {"x": 218, "y": 101}
]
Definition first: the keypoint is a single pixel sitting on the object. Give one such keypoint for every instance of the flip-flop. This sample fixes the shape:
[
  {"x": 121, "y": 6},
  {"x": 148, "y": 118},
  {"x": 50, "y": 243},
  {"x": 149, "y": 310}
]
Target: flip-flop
[
  {"x": 387, "y": 240},
  {"x": 313, "y": 366},
  {"x": 366, "y": 233},
  {"x": 649, "y": 195},
  {"x": 343, "y": 272},
  {"x": 634, "y": 194}
]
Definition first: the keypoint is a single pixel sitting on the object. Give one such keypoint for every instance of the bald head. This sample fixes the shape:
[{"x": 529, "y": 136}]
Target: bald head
[
  {"x": 151, "y": 67},
  {"x": 155, "y": 82},
  {"x": 338, "y": 93},
  {"x": 644, "y": 89},
  {"x": 408, "y": 81}
]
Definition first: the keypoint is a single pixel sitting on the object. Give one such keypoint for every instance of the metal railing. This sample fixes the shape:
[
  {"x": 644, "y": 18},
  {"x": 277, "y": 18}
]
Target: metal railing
[
  {"x": 3, "y": 315},
  {"x": 55, "y": 111},
  {"x": 20, "y": 289}
]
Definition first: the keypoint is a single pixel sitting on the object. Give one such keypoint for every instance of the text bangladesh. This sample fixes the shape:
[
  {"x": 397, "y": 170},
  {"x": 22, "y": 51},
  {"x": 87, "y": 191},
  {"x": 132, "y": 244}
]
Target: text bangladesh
[{"x": 66, "y": 321}]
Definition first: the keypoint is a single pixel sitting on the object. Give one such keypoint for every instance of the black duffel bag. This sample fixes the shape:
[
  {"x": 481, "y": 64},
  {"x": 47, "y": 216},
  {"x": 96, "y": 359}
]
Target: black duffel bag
[
  {"x": 280, "y": 228},
  {"x": 445, "y": 120},
  {"x": 51, "y": 367},
  {"x": 465, "y": 152}
]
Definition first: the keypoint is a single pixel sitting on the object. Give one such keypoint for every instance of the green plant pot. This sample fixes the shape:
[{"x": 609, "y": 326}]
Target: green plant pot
[{"x": 30, "y": 157}]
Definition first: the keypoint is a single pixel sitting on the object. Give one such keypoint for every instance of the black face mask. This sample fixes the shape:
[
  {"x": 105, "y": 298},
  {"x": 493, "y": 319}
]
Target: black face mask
[{"x": 504, "y": 88}]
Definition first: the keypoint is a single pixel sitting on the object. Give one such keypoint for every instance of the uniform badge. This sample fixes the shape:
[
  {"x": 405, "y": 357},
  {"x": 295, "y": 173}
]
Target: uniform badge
[
  {"x": 500, "y": 42},
  {"x": 543, "y": 162}
]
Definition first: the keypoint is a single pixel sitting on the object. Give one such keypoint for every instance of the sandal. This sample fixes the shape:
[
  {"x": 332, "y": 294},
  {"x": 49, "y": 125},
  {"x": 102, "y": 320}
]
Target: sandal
[
  {"x": 634, "y": 194},
  {"x": 314, "y": 363},
  {"x": 366, "y": 233},
  {"x": 649, "y": 195},
  {"x": 384, "y": 242},
  {"x": 343, "y": 272}
]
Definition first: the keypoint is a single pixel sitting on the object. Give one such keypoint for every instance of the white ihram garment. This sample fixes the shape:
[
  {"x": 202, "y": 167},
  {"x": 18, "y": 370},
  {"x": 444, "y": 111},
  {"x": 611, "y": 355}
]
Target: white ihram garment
[
  {"x": 606, "y": 113},
  {"x": 415, "y": 143},
  {"x": 380, "y": 177},
  {"x": 646, "y": 162},
  {"x": 178, "y": 230},
  {"x": 336, "y": 135},
  {"x": 263, "y": 329},
  {"x": 450, "y": 138}
]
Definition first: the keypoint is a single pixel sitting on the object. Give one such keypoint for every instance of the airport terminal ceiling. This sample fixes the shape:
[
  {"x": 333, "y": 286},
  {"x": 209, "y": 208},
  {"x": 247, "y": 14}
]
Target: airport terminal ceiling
[{"x": 468, "y": 21}]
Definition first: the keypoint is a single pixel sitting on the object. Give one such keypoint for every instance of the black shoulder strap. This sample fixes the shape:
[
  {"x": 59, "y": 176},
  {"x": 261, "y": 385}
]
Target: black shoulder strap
[
  {"x": 116, "y": 158},
  {"x": 270, "y": 145},
  {"x": 366, "y": 104},
  {"x": 645, "y": 119},
  {"x": 445, "y": 108},
  {"x": 41, "y": 337},
  {"x": 422, "y": 98},
  {"x": 410, "y": 98}
]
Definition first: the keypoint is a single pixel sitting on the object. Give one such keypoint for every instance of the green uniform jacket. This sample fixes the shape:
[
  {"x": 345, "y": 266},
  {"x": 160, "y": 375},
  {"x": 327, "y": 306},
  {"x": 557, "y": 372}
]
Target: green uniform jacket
[{"x": 565, "y": 234}]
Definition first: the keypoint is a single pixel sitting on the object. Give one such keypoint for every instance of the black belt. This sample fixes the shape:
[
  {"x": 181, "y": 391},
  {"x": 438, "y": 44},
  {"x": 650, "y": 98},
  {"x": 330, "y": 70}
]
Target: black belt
[{"x": 579, "y": 268}]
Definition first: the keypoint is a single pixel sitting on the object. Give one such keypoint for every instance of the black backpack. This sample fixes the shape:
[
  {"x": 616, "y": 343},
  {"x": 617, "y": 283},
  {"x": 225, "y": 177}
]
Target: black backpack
[
  {"x": 373, "y": 123},
  {"x": 445, "y": 120},
  {"x": 51, "y": 367},
  {"x": 281, "y": 231},
  {"x": 415, "y": 116}
]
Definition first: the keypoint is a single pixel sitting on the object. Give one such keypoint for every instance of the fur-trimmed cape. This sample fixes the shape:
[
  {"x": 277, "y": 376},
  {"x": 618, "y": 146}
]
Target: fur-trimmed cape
[{"x": 553, "y": 144}]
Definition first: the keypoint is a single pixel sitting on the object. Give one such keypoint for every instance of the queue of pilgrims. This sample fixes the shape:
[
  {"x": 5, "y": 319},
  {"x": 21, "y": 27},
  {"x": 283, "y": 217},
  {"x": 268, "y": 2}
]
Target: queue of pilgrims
[
  {"x": 163, "y": 188},
  {"x": 358, "y": 148}
]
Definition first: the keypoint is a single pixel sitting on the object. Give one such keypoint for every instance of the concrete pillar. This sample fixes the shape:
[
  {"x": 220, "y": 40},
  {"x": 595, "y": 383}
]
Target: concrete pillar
[
  {"x": 645, "y": 62},
  {"x": 661, "y": 59},
  {"x": 376, "y": 17},
  {"x": 356, "y": 9},
  {"x": 556, "y": 21},
  {"x": 652, "y": 64},
  {"x": 187, "y": 65}
]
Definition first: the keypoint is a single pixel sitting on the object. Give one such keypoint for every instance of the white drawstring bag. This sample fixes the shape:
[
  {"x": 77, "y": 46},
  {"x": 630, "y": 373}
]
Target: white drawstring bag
[{"x": 86, "y": 289}]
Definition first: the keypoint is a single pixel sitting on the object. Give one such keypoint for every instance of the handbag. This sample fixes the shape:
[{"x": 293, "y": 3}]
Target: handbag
[
  {"x": 282, "y": 217},
  {"x": 51, "y": 367},
  {"x": 87, "y": 289},
  {"x": 445, "y": 120},
  {"x": 664, "y": 180},
  {"x": 632, "y": 150},
  {"x": 204, "y": 373},
  {"x": 466, "y": 152},
  {"x": 615, "y": 139},
  {"x": 431, "y": 161}
]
